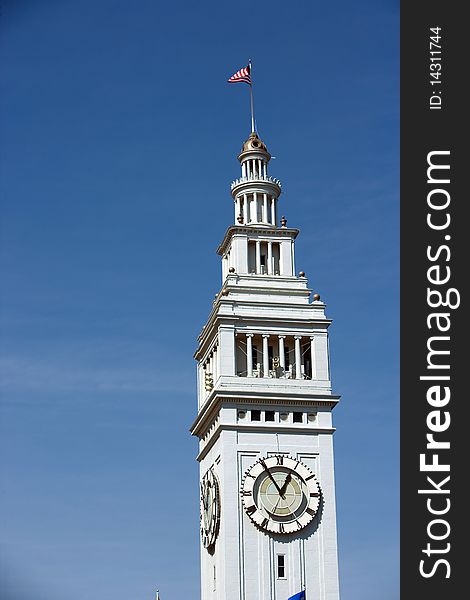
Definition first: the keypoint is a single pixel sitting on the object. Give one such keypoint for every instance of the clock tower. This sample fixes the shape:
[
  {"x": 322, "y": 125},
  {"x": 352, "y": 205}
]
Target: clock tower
[{"x": 264, "y": 422}]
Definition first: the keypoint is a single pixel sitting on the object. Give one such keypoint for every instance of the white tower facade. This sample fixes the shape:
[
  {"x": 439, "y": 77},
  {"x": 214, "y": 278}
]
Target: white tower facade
[{"x": 268, "y": 517}]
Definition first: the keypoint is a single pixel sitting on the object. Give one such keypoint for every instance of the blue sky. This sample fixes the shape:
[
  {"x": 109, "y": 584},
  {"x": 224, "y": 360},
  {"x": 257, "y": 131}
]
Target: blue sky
[{"x": 119, "y": 143}]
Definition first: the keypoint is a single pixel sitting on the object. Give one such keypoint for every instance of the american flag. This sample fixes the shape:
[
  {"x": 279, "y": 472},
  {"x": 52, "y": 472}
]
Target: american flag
[{"x": 243, "y": 75}]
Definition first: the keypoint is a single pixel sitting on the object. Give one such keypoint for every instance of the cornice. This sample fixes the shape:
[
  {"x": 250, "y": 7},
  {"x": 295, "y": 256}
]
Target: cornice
[
  {"x": 216, "y": 318},
  {"x": 251, "y": 229}
]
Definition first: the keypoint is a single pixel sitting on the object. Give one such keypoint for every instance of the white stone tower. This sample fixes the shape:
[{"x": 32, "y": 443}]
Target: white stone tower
[{"x": 268, "y": 518}]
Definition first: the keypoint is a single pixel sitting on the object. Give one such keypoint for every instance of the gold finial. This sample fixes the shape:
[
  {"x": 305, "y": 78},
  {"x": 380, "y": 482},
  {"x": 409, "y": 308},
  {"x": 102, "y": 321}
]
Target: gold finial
[{"x": 254, "y": 144}]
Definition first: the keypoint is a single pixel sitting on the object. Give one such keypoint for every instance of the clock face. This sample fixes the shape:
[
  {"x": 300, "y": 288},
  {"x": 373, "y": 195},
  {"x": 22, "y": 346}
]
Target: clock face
[
  {"x": 210, "y": 509},
  {"x": 280, "y": 494}
]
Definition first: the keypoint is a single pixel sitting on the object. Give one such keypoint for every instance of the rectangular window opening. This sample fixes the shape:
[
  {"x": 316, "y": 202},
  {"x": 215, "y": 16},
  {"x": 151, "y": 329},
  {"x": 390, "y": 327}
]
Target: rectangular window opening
[
  {"x": 286, "y": 357},
  {"x": 297, "y": 417},
  {"x": 281, "y": 566},
  {"x": 256, "y": 415},
  {"x": 251, "y": 254},
  {"x": 269, "y": 415},
  {"x": 276, "y": 257},
  {"x": 254, "y": 356},
  {"x": 270, "y": 357}
]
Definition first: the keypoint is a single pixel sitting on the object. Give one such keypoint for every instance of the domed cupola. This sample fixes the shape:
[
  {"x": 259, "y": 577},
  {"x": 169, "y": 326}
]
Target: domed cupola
[{"x": 254, "y": 144}]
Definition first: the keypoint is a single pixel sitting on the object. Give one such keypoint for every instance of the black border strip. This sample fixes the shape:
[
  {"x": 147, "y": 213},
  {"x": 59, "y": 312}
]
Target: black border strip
[{"x": 433, "y": 248}]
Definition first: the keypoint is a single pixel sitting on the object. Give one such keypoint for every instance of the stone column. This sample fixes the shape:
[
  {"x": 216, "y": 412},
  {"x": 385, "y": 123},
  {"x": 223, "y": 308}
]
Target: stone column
[
  {"x": 249, "y": 354},
  {"x": 258, "y": 256},
  {"x": 273, "y": 211},
  {"x": 200, "y": 381},
  {"x": 216, "y": 372},
  {"x": 265, "y": 355},
  {"x": 282, "y": 356},
  {"x": 270, "y": 258},
  {"x": 245, "y": 209},
  {"x": 292, "y": 245},
  {"x": 254, "y": 208},
  {"x": 298, "y": 357},
  {"x": 237, "y": 208},
  {"x": 265, "y": 208},
  {"x": 210, "y": 369},
  {"x": 312, "y": 357}
]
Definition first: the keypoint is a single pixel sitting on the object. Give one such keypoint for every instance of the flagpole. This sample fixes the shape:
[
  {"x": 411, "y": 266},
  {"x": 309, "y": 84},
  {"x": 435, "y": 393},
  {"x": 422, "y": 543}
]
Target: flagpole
[{"x": 251, "y": 100}]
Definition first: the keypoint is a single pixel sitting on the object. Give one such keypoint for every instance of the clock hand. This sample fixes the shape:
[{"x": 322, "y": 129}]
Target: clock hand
[
  {"x": 203, "y": 498},
  {"x": 277, "y": 504},
  {"x": 282, "y": 491},
  {"x": 270, "y": 475}
]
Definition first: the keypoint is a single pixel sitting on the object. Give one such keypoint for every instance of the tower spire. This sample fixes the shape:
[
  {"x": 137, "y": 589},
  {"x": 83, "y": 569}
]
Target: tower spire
[{"x": 255, "y": 193}]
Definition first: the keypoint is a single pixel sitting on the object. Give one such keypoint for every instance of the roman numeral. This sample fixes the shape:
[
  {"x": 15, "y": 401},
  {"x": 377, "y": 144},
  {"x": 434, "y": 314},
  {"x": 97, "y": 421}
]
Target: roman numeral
[
  {"x": 281, "y": 528},
  {"x": 265, "y": 522},
  {"x": 309, "y": 477},
  {"x": 251, "y": 509},
  {"x": 314, "y": 494},
  {"x": 280, "y": 459},
  {"x": 247, "y": 493},
  {"x": 310, "y": 511}
]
